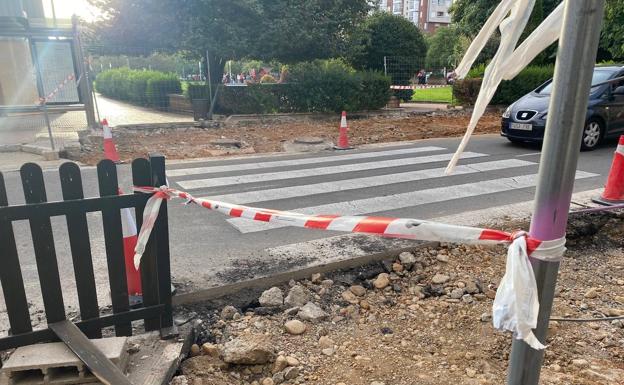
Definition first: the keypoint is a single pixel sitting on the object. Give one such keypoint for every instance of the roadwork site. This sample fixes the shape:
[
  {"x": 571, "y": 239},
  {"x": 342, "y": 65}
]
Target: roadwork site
[
  {"x": 380, "y": 247},
  {"x": 423, "y": 317},
  {"x": 254, "y": 136}
]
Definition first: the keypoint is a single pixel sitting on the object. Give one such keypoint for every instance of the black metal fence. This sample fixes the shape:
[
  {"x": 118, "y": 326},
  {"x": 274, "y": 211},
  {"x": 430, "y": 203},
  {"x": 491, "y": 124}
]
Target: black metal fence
[
  {"x": 415, "y": 80},
  {"x": 155, "y": 310}
]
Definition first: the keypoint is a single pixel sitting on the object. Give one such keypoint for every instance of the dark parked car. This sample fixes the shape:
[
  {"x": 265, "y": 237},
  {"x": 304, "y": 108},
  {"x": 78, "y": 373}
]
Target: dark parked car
[{"x": 524, "y": 120}]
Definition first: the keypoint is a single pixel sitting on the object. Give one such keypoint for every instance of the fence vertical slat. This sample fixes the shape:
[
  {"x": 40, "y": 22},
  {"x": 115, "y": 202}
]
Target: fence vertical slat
[
  {"x": 142, "y": 176},
  {"x": 113, "y": 239},
  {"x": 11, "y": 274},
  {"x": 161, "y": 230},
  {"x": 43, "y": 242},
  {"x": 78, "y": 229}
]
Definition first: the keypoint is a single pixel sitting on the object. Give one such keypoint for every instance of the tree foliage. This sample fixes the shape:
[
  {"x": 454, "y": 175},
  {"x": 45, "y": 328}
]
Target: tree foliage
[
  {"x": 384, "y": 34},
  {"x": 445, "y": 48},
  {"x": 284, "y": 30},
  {"x": 612, "y": 38},
  {"x": 470, "y": 15},
  {"x": 128, "y": 26}
]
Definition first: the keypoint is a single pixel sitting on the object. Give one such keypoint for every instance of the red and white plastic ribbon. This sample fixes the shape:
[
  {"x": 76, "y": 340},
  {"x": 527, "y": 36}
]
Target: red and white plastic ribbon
[
  {"x": 418, "y": 87},
  {"x": 516, "y": 304},
  {"x": 55, "y": 91}
]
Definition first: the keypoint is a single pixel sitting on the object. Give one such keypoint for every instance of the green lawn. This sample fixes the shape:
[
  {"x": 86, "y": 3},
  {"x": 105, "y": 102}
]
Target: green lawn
[{"x": 440, "y": 95}]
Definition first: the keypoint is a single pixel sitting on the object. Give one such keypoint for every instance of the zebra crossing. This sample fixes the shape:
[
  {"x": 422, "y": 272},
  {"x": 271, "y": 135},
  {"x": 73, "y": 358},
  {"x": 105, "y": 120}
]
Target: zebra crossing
[{"x": 359, "y": 183}]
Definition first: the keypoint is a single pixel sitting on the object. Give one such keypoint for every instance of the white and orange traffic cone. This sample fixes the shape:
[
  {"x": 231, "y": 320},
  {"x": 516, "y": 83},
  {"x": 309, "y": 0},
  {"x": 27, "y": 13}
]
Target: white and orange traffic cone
[
  {"x": 110, "y": 151},
  {"x": 613, "y": 193},
  {"x": 130, "y": 237},
  {"x": 343, "y": 139}
]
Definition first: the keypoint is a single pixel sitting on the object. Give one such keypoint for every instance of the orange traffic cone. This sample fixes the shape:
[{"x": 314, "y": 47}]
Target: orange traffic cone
[
  {"x": 110, "y": 151},
  {"x": 614, "y": 189},
  {"x": 130, "y": 237},
  {"x": 343, "y": 139}
]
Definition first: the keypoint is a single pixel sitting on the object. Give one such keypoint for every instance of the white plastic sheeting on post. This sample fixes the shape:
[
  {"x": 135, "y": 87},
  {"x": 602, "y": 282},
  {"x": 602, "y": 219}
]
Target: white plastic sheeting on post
[{"x": 511, "y": 17}]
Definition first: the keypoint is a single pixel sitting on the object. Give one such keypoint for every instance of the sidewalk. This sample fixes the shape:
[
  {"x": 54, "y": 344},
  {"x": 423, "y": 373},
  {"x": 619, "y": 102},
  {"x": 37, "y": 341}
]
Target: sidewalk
[
  {"x": 423, "y": 107},
  {"x": 118, "y": 113}
]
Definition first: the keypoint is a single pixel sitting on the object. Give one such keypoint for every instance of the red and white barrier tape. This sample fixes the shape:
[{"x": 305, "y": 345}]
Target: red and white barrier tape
[
  {"x": 515, "y": 306},
  {"x": 418, "y": 87},
  {"x": 56, "y": 90}
]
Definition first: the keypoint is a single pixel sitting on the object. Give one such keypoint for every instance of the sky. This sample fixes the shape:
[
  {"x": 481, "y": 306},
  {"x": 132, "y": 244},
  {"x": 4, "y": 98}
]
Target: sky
[{"x": 66, "y": 8}]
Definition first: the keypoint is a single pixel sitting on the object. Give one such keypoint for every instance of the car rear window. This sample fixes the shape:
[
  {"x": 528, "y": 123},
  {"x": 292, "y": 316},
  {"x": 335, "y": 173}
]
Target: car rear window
[{"x": 599, "y": 77}]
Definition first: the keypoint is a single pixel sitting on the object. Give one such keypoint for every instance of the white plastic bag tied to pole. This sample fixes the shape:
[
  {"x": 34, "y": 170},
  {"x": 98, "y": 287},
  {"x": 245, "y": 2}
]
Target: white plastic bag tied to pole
[
  {"x": 511, "y": 17},
  {"x": 516, "y": 305}
]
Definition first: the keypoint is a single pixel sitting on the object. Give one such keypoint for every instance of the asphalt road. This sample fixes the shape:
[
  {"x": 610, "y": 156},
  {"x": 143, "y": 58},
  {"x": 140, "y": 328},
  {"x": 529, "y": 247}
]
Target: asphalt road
[{"x": 402, "y": 180}]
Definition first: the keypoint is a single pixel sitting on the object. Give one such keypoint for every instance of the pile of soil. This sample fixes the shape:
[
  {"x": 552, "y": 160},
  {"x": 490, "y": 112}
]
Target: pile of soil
[
  {"x": 424, "y": 318},
  {"x": 185, "y": 143}
]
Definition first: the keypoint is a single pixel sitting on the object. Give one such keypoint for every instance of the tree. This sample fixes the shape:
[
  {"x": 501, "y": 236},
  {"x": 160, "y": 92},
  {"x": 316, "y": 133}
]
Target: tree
[
  {"x": 445, "y": 48},
  {"x": 284, "y": 30},
  {"x": 470, "y": 15},
  {"x": 384, "y": 34},
  {"x": 296, "y": 31},
  {"x": 131, "y": 27},
  {"x": 612, "y": 38}
]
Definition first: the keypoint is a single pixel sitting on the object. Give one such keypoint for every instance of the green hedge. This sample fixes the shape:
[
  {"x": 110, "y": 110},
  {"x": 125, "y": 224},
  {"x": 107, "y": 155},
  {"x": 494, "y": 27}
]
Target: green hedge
[
  {"x": 147, "y": 88},
  {"x": 466, "y": 91},
  {"x": 313, "y": 87}
]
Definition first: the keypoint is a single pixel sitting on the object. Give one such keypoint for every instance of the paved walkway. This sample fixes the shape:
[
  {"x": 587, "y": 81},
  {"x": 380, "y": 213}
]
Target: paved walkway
[
  {"x": 31, "y": 128},
  {"x": 423, "y": 107},
  {"x": 12, "y": 161},
  {"x": 118, "y": 113}
]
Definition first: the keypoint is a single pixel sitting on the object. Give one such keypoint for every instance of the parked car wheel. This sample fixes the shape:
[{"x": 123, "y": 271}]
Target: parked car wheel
[{"x": 592, "y": 134}]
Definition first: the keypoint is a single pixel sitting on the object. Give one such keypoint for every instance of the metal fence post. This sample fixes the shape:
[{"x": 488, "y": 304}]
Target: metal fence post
[
  {"x": 566, "y": 118},
  {"x": 208, "y": 76},
  {"x": 386, "y": 65},
  {"x": 82, "y": 77},
  {"x": 41, "y": 91}
]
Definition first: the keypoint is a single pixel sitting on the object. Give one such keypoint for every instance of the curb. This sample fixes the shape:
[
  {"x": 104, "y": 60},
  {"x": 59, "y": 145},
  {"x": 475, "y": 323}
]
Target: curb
[
  {"x": 263, "y": 283},
  {"x": 45, "y": 152}
]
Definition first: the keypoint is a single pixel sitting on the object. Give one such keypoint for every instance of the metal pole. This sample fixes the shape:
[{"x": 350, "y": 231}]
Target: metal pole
[
  {"x": 87, "y": 95},
  {"x": 385, "y": 65},
  {"x": 41, "y": 91},
  {"x": 566, "y": 118},
  {"x": 53, "y": 13},
  {"x": 208, "y": 75}
]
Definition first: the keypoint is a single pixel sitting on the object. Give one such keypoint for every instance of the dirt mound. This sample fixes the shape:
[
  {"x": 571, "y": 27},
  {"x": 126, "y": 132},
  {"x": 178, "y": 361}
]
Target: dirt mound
[
  {"x": 425, "y": 318},
  {"x": 184, "y": 143}
]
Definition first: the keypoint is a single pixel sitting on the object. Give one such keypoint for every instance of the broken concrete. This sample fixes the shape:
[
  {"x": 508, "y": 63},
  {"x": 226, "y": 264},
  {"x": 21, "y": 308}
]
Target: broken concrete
[{"x": 154, "y": 361}]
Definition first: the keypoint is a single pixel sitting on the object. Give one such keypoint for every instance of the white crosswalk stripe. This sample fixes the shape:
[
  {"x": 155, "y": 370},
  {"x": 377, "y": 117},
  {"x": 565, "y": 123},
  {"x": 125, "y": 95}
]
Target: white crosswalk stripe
[
  {"x": 299, "y": 162},
  {"x": 310, "y": 172},
  {"x": 358, "y": 183},
  {"x": 404, "y": 200},
  {"x": 278, "y": 180}
]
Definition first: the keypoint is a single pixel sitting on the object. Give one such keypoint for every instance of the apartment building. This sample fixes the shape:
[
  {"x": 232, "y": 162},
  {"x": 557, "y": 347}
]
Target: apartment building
[{"x": 428, "y": 15}]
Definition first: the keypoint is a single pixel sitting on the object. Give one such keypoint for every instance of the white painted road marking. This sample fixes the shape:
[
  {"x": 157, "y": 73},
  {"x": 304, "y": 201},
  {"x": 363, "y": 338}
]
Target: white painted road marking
[
  {"x": 404, "y": 200},
  {"x": 298, "y": 162},
  {"x": 358, "y": 183},
  {"x": 309, "y": 172}
]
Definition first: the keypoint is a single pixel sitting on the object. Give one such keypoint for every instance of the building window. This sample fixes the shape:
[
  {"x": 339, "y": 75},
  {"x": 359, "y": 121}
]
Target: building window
[
  {"x": 397, "y": 6},
  {"x": 414, "y": 17}
]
